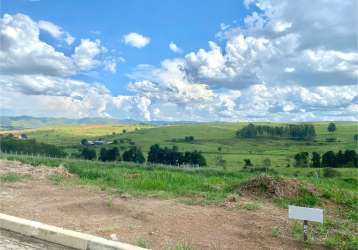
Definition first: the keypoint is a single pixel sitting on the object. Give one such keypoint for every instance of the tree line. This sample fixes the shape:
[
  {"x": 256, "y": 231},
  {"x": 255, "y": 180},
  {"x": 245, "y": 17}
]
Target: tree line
[
  {"x": 292, "y": 131},
  {"x": 156, "y": 154},
  {"x": 348, "y": 158},
  {"x": 10, "y": 144},
  {"x": 172, "y": 156},
  {"x": 133, "y": 154}
]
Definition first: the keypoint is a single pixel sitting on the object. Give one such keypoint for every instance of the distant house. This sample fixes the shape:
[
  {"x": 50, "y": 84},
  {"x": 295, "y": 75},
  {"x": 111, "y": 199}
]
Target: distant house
[
  {"x": 96, "y": 142},
  {"x": 22, "y": 137}
]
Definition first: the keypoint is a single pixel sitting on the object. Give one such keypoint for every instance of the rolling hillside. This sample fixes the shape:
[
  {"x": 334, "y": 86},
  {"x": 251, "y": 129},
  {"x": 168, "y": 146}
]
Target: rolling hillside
[{"x": 208, "y": 138}]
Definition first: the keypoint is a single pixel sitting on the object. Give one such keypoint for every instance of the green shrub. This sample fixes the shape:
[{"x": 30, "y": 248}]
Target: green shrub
[{"x": 330, "y": 173}]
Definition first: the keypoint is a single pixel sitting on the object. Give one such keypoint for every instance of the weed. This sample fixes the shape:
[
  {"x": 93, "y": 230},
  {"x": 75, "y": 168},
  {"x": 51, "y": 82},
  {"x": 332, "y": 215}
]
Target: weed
[
  {"x": 110, "y": 202},
  {"x": 297, "y": 230},
  {"x": 275, "y": 232},
  {"x": 56, "y": 179},
  {"x": 330, "y": 173},
  {"x": 183, "y": 245},
  {"x": 141, "y": 243},
  {"x": 251, "y": 206},
  {"x": 12, "y": 177}
]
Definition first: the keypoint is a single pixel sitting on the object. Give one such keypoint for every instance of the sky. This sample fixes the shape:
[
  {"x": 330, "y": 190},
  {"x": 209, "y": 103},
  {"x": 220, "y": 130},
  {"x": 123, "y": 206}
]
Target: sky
[{"x": 252, "y": 60}]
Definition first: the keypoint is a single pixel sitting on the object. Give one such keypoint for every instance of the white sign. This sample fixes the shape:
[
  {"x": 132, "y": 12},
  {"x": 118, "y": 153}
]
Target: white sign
[{"x": 305, "y": 213}]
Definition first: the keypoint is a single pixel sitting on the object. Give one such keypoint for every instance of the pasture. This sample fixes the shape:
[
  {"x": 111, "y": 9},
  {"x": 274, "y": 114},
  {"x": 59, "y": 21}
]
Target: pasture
[{"x": 208, "y": 138}]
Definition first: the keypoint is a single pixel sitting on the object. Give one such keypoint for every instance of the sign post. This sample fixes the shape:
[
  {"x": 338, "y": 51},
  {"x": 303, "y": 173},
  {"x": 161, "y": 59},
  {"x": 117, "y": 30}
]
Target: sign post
[{"x": 306, "y": 214}]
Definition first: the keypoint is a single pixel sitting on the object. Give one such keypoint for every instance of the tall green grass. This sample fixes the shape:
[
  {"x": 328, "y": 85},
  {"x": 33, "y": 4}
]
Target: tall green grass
[{"x": 210, "y": 186}]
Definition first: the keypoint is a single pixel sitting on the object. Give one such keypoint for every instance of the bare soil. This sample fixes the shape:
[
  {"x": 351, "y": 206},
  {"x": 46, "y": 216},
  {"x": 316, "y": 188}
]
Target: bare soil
[{"x": 160, "y": 223}]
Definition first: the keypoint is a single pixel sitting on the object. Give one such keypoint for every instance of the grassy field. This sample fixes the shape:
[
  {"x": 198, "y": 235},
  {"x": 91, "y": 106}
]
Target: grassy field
[
  {"x": 208, "y": 138},
  {"x": 213, "y": 185},
  {"x": 337, "y": 195},
  {"x": 71, "y": 135}
]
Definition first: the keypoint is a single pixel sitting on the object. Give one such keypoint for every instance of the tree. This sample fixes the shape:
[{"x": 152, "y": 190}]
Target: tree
[
  {"x": 249, "y": 131},
  {"x": 88, "y": 154},
  {"x": 329, "y": 159},
  {"x": 221, "y": 162},
  {"x": 301, "y": 159},
  {"x": 23, "y": 136},
  {"x": 220, "y": 159},
  {"x": 154, "y": 154},
  {"x": 340, "y": 159},
  {"x": 109, "y": 154},
  {"x": 293, "y": 131},
  {"x": 30, "y": 146},
  {"x": 351, "y": 158},
  {"x": 195, "y": 158},
  {"x": 316, "y": 160},
  {"x": 133, "y": 154},
  {"x": 331, "y": 127},
  {"x": 173, "y": 157},
  {"x": 266, "y": 163},
  {"x": 355, "y": 137},
  {"x": 84, "y": 142},
  {"x": 247, "y": 163}
]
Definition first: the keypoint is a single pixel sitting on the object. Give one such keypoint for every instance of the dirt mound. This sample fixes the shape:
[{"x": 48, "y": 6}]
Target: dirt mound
[
  {"x": 38, "y": 172},
  {"x": 271, "y": 187}
]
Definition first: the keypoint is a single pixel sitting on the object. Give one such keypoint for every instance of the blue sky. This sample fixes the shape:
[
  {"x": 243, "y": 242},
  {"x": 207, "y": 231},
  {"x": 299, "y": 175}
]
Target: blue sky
[
  {"x": 250, "y": 60},
  {"x": 184, "y": 22}
]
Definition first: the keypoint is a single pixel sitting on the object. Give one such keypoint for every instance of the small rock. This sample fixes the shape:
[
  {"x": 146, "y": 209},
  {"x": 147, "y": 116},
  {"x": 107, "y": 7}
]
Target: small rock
[{"x": 114, "y": 237}]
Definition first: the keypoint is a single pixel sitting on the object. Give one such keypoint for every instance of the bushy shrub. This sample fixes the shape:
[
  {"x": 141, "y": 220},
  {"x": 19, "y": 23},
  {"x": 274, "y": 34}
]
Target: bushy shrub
[
  {"x": 12, "y": 145},
  {"x": 172, "y": 156},
  {"x": 88, "y": 154},
  {"x": 330, "y": 173},
  {"x": 133, "y": 154}
]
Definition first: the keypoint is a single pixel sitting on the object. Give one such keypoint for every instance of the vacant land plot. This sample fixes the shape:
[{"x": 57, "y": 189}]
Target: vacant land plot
[{"x": 237, "y": 223}]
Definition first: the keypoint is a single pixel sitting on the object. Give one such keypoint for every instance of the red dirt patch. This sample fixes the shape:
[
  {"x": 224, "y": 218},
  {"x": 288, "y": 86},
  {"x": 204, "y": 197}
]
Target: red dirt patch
[{"x": 160, "y": 223}]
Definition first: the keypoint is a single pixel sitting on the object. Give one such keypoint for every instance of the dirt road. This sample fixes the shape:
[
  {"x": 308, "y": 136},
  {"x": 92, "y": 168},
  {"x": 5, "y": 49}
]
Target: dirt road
[{"x": 159, "y": 224}]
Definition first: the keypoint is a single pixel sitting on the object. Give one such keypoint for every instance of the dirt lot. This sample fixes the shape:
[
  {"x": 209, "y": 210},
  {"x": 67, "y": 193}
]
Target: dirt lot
[{"x": 158, "y": 223}]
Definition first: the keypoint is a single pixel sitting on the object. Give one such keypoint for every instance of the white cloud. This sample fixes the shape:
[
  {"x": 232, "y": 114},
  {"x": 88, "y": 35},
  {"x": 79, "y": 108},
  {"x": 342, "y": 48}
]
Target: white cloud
[
  {"x": 22, "y": 51},
  {"x": 110, "y": 65},
  {"x": 51, "y": 28},
  {"x": 281, "y": 33},
  {"x": 32, "y": 71},
  {"x": 287, "y": 63},
  {"x": 289, "y": 70},
  {"x": 173, "y": 47},
  {"x": 56, "y": 31},
  {"x": 224, "y": 26},
  {"x": 136, "y": 40},
  {"x": 69, "y": 39},
  {"x": 85, "y": 54}
]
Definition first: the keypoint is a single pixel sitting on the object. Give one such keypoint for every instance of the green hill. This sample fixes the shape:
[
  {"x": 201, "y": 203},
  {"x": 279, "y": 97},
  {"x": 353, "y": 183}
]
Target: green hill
[{"x": 208, "y": 138}]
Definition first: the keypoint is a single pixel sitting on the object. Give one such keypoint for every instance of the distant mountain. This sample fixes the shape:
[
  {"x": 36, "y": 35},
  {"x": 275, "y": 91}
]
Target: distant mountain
[{"x": 23, "y": 122}]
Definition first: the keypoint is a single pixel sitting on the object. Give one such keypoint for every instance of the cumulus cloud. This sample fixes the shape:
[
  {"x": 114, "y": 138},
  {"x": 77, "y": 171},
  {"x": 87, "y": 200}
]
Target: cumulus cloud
[
  {"x": 86, "y": 52},
  {"x": 33, "y": 71},
  {"x": 278, "y": 35},
  {"x": 22, "y": 52},
  {"x": 56, "y": 31},
  {"x": 286, "y": 63},
  {"x": 173, "y": 47},
  {"x": 110, "y": 65},
  {"x": 136, "y": 40},
  {"x": 273, "y": 67}
]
